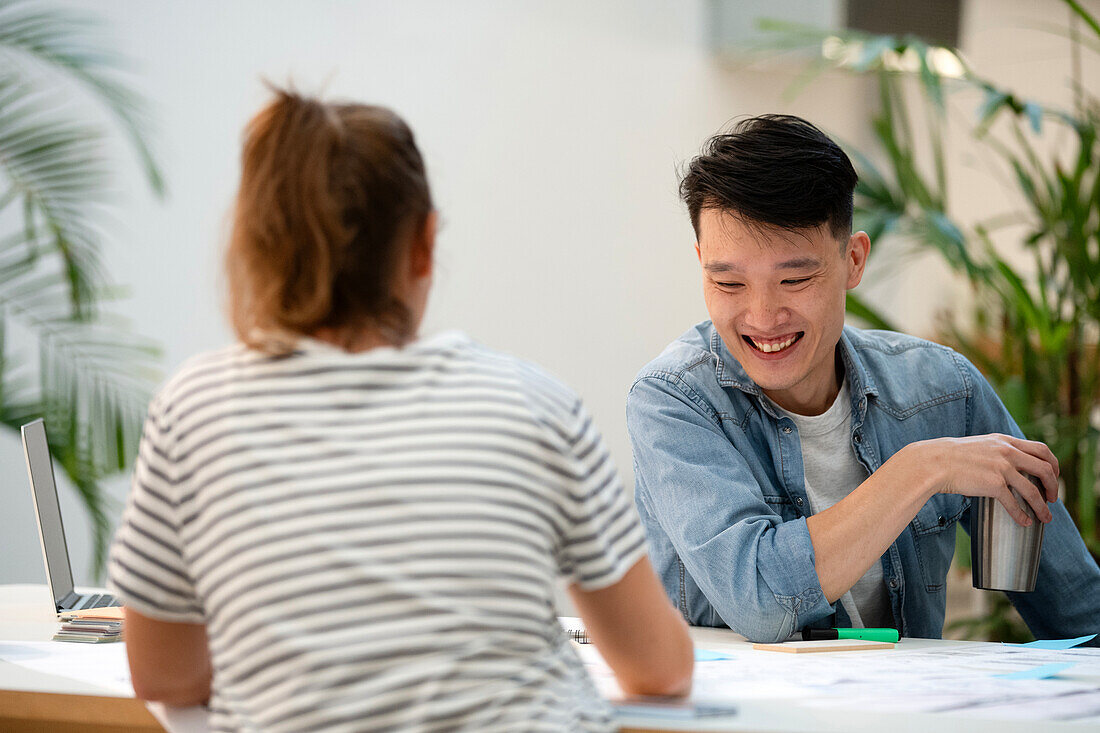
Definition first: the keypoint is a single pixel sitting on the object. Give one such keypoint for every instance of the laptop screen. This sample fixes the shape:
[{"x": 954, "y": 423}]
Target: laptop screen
[{"x": 47, "y": 509}]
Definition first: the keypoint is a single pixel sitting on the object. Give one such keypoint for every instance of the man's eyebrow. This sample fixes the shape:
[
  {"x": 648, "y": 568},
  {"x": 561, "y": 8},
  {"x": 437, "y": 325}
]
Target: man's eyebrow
[
  {"x": 717, "y": 267},
  {"x": 798, "y": 263}
]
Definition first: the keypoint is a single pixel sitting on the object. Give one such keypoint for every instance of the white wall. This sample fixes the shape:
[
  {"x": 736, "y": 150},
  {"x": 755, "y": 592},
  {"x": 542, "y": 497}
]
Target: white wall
[{"x": 552, "y": 130}]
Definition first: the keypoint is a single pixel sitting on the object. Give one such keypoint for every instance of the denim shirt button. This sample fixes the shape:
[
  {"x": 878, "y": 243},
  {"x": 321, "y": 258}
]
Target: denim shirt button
[
  {"x": 787, "y": 429},
  {"x": 893, "y": 582},
  {"x": 798, "y": 500},
  {"x": 858, "y": 437}
]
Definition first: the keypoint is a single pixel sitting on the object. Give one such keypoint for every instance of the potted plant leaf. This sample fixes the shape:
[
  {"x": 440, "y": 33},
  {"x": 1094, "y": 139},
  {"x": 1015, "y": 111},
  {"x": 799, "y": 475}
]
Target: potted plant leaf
[{"x": 63, "y": 356}]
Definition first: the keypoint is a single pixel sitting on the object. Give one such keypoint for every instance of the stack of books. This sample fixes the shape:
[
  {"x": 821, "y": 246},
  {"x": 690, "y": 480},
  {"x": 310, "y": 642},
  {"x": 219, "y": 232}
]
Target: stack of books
[{"x": 93, "y": 626}]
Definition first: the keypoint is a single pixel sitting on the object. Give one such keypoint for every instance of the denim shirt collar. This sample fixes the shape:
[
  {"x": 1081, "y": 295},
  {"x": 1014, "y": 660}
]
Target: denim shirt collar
[{"x": 730, "y": 373}]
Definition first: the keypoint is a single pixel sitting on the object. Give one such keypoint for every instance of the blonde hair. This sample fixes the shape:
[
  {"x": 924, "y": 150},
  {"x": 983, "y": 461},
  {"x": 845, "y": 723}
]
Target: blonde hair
[{"x": 330, "y": 196}]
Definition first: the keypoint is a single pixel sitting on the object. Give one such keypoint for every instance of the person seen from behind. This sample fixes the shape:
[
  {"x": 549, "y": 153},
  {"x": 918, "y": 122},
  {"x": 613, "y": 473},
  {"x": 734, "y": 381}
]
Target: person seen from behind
[{"x": 337, "y": 524}]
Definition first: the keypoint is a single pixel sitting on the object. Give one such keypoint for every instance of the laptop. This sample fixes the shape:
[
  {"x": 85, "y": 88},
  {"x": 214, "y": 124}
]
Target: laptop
[{"x": 51, "y": 532}]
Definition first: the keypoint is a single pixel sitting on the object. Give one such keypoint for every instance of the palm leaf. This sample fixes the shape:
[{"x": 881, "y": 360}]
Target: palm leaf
[
  {"x": 66, "y": 43},
  {"x": 864, "y": 311},
  {"x": 1088, "y": 18},
  {"x": 55, "y": 167},
  {"x": 89, "y": 375}
]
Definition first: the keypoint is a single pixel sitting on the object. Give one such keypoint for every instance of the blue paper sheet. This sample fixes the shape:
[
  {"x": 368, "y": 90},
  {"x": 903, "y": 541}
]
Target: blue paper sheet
[
  {"x": 1057, "y": 643},
  {"x": 1037, "y": 673},
  {"x": 705, "y": 655}
]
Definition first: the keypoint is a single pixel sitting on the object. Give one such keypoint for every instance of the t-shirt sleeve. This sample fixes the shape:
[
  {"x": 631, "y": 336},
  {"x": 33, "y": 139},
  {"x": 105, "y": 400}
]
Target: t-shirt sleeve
[
  {"x": 146, "y": 568},
  {"x": 604, "y": 538}
]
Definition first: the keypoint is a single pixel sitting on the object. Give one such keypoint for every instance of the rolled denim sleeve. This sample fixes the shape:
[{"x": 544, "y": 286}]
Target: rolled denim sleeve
[
  {"x": 1066, "y": 599},
  {"x": 756, "y": 570}
]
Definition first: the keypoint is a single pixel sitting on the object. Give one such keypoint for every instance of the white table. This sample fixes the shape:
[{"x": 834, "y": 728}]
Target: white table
[
  {"x": 770, "y": 716},
  {"x": 40, "y": 702},
  {"x": 34, "y": 701}
]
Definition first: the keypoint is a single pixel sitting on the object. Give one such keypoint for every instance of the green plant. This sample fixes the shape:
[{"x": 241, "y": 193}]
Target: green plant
[
  {"x": 61, "y": 93},
  {"x": 1034, "y": 330}
]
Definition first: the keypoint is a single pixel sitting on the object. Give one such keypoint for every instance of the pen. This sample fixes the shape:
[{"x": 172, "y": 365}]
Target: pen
[{"x": 890, "y": 635}]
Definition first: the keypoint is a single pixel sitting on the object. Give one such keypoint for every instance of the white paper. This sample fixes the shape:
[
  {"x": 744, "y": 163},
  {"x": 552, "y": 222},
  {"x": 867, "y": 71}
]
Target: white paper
[
  {"x": 103, "y": 665},
  {"x": 1068, "y": 707},
  {"x": 955, "y": 679}
]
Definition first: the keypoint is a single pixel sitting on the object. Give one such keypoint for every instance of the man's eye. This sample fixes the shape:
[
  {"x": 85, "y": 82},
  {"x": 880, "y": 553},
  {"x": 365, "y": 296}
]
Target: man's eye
[
  {"x": 729, "y": 285},
  {"x": 796, "y": 281}
]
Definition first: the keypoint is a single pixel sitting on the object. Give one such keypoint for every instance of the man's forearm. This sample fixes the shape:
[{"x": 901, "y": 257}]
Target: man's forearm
[{"x": 853, "y": 534}]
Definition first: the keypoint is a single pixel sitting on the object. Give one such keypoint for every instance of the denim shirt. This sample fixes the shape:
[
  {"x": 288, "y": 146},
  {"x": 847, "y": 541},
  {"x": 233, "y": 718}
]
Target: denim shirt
[{"x": 720, "y": 487}]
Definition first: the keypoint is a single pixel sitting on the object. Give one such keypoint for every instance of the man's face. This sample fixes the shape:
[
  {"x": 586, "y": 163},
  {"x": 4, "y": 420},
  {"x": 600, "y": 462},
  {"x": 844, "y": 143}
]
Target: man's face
[{"x": 777, "y": 300}]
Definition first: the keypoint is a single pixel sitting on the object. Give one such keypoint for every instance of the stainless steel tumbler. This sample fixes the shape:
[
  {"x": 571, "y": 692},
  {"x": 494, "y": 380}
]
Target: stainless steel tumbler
[{"x": 1004, "y": 555}]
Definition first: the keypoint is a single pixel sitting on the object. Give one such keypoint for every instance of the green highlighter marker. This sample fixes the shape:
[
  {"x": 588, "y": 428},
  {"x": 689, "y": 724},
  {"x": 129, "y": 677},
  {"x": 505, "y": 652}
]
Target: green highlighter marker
[{"x": 890, "y": 635}]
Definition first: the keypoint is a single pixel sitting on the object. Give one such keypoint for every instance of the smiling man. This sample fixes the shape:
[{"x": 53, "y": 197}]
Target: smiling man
[{"x": 795, "y": 472}]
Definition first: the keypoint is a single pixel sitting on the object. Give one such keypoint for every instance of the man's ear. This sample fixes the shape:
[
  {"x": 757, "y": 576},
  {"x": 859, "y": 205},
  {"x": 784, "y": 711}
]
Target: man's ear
[
  {"x": 855, "y": 257},
  {"x": 422, "y": 249}
]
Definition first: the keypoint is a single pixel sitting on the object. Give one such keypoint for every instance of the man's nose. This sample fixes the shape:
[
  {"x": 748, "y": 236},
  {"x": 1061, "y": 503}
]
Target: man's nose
[{"x": 764, "y": 310}]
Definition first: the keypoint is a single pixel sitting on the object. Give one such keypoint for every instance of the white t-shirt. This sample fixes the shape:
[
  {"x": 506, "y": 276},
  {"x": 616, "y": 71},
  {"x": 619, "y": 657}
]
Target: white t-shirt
[
  {"x": 832, "y": 472},
  {"x": 372, "y": 540}
]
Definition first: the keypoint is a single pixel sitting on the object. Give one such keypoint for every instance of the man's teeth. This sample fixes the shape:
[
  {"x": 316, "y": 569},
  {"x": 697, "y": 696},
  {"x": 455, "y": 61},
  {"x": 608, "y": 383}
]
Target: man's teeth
[{"x": 772, "y": 348}]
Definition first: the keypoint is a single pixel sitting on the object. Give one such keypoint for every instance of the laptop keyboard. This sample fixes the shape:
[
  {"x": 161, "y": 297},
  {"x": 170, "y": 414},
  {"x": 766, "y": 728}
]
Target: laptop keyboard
[{"x": 97, "y": 601}]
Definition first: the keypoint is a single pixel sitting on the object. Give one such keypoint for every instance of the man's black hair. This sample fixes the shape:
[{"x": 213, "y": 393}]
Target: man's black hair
[{"x": 773, "y": 170}]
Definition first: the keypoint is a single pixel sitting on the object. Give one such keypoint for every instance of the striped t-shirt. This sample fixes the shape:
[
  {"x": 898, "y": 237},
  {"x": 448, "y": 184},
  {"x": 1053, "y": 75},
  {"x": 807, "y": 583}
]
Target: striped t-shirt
[{"x": 372, "y": 540}]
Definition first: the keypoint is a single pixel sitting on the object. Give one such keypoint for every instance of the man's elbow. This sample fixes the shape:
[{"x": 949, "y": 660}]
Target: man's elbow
[
  {"x": 765, "y": 636},
  {"x": 761, "y": 626}
]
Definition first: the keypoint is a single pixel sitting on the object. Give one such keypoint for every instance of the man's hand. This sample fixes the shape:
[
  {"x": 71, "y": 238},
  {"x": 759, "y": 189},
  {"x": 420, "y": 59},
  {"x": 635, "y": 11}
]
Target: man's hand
[
  {"x": 854, "y": 532},
  {"x": 990, "y": 465}
]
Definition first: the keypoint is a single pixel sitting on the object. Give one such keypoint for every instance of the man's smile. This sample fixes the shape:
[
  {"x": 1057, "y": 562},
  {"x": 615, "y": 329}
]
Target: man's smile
[{"x": 773, "y": 345}]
